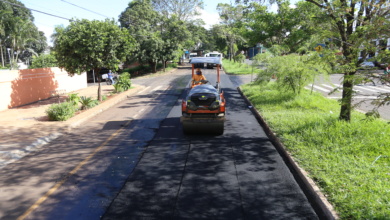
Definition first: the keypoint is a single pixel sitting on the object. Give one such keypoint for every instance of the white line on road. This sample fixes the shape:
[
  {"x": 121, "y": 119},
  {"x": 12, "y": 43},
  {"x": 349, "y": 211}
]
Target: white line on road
[
  {"x": 354, "y": 88},
  {"x": 320, "y": 88},
  {"x": 156, "y": 88},
  {"x": 355, "y": 97},
  {"x": 380, "y": 89},
  {"x": 328, "y": 86},
  {"x": 143, "y": 90},
  {"x": 364, "y": 88},
  {"x": 140, "y": 111}
]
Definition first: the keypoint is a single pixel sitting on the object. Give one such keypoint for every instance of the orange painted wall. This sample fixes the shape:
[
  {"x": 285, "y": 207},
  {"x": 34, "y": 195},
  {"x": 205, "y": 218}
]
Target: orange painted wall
[{"x": 19, "y": 87}]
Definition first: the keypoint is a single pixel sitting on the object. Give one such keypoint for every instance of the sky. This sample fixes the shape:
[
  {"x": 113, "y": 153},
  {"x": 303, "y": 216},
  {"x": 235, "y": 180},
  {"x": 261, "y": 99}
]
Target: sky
[{"x": 95, "y": 10}]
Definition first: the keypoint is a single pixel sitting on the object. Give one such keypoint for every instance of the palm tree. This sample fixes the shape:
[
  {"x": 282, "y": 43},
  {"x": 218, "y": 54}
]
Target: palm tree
[
  {"x": 3, "y": 17},
  {"x": 21, "y": 32}
]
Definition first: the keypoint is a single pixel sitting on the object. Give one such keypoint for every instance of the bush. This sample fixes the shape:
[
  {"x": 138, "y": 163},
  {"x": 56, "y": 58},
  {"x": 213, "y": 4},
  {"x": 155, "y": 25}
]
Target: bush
[
  {"x": 74, "y": 99},
  {"x": 44, "y": 60},
  {"x": 61, "y": 112},
  {"x": 172, "y": 65},
  {"x": 239, "y": 58},
  {"x": 87, "y": 103},
  {"x": 123, "y": 83}
]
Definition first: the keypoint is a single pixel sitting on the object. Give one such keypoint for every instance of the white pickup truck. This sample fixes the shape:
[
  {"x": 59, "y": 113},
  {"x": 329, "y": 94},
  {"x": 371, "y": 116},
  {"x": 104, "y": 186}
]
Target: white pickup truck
[{"x": 214, "y": 54}]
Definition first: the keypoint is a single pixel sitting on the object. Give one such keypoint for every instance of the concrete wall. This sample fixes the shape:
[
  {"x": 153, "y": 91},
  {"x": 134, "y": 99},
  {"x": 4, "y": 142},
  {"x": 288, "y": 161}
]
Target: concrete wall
[{"x": 19, "y": 87}]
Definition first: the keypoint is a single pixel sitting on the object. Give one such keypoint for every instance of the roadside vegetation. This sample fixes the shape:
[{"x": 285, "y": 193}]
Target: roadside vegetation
[
  {"x": 43, "y": 61},
  {"x": 75, "y": 103},
  {"x": 348, "y": 160},
  {"x": 239, "y": 68}
]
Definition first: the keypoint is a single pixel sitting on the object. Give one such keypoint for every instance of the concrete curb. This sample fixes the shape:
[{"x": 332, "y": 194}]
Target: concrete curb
[
  {"x": 87, "y": 114},
  {"x": 316, "y": 198}
]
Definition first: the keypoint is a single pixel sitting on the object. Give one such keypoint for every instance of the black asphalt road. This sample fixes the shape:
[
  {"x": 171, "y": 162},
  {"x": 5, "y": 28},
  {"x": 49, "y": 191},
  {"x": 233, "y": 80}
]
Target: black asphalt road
[{"x": 238, "y": 175}]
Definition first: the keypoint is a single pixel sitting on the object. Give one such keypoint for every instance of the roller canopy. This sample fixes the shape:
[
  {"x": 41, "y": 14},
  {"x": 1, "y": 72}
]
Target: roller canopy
[{"x": 215, "y": 60}]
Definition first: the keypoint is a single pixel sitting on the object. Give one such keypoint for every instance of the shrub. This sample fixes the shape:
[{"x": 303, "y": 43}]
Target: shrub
[
  {"x": 61, "y": 112},
  {"x": 239, "y": 58},
  {"x": 172, "y": 65},
  {"x": 74, "y": 99},
  {"x": 44, "y": 60},
  {"x": 87, "y": 102},
  {"x": 123, "y": 83}
]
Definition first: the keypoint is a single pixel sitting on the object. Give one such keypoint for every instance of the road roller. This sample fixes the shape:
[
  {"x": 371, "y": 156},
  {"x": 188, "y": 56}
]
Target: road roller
[{"x": 203, "y": 109}]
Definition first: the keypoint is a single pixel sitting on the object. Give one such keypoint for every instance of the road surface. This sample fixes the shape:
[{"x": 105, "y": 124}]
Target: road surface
[{"x": 133, "y": 162}]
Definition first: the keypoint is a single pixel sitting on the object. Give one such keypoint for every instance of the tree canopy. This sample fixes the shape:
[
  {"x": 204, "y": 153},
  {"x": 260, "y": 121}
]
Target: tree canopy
[
  {"x": 184, "y": 10},
  {"x": 86, "y": 45},
  {"x": 160, "y": 38},
  {"x": 18, "y": 33},
  {"x": 356, "y": 24},
  {"x": 91, "y": 45}
]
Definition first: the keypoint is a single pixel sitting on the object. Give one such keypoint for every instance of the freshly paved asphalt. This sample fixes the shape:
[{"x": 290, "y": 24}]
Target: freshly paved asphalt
[{"x": 238, "y": 175}]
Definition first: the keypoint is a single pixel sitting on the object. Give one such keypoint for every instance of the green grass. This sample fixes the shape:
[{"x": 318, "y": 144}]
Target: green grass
[
  {"x": 349, "y": 161},
  {"x": 232, "y": 67}
]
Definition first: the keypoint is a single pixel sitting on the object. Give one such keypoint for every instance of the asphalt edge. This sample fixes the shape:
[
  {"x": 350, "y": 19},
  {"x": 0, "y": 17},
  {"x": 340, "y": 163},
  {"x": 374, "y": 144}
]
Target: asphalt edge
[
  {"x": 316, "y": 198},
  {"x": 87, "y": 114}
]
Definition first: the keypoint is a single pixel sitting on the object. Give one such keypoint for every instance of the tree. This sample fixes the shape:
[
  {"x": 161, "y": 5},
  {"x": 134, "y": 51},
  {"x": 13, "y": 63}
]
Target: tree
[
  {"x": 184, "y": 10},
  {"x": 354, "y": 25},
  {"x": 231, "y": 27},
  {"x": 86, "y": 45},
  {"x": 34, "y": 47},
  {"x": 288, "y": 27},
  {"x": 3, "y": 16},
  {"x": 18, "y": 33},
  {"x": 197, "y": 37},
  {"x": 174, "y": 33},
  {"x": 142, "y": 21},
  {"x": 22, "y": 32},
  {"x": 357, "y": 23}
]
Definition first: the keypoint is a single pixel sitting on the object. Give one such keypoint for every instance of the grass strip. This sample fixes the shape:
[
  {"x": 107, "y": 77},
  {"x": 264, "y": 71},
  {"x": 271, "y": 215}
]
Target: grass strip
[
  {"x": 238, "y": 68},
  {"x": 350, "y": 162}
]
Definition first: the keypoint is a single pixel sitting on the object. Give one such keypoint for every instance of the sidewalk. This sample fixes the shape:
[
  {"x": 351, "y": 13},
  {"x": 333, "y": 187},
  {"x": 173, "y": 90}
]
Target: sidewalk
[{"x": 26, "y": 129}]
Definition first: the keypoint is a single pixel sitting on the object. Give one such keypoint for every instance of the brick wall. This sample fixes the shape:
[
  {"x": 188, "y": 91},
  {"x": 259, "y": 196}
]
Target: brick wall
[{"x": 19, "y": 87}]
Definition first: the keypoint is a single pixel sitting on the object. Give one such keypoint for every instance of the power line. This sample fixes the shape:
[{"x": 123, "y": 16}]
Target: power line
[
  {"x": 84, "y": 8},
  {"x": 44, "y": 8},
  {"x": 36, "y": 10}
]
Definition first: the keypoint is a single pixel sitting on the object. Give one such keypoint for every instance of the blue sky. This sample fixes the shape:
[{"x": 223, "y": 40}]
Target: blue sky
[{"x": 101, "y": 10}]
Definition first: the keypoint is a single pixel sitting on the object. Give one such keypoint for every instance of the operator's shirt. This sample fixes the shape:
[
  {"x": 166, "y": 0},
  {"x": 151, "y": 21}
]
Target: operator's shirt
[{"x": 199, "y": 78}]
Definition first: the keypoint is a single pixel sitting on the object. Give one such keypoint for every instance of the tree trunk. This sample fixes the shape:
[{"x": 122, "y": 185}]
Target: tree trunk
[
  {"x": 2, "y": 56},
  {"x": 153, "y": 65},
  {"x": 346, "y": 101},
  {"x": 97, "y": 71},
  {"x": 231, "y": 52}
]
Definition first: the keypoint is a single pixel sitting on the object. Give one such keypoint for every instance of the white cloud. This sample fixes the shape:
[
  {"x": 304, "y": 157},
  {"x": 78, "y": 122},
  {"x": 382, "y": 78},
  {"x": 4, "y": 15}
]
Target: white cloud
[{"x": 209, "y": 18}]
